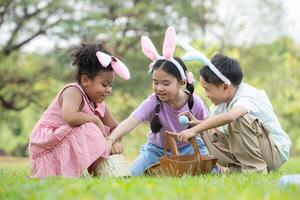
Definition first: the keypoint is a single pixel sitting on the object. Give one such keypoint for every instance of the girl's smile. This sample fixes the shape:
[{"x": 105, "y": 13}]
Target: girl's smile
[{"x": 164, "y": 85}]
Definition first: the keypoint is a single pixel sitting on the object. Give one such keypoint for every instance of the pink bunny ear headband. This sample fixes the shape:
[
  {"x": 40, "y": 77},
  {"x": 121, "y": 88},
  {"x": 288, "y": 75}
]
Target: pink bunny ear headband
[
  {"x": 168, "y": 50},
  {"x": 119, "y": 68}
]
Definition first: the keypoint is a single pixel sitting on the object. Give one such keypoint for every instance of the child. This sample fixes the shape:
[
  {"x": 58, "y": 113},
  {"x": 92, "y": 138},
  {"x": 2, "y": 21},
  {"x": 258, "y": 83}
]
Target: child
[
  {"x": 162, "y": 108},
  {"x": 249, "y": 137},
  {"x": 70, "y": 136}
]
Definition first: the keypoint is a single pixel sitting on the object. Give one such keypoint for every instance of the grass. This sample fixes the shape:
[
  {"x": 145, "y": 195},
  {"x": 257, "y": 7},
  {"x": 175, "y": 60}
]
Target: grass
[{"x": 15, "y": 184}]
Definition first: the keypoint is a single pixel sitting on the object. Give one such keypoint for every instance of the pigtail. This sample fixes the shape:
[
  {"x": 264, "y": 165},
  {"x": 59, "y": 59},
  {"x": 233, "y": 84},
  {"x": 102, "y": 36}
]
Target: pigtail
[
  {"x": 190, "y": 88},
  {"x": 155, "y": 124}
]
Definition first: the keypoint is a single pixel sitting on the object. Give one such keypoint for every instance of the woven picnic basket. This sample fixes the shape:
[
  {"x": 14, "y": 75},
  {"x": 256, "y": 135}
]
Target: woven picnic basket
[
  {"x": 114, "y": 166},
  {"x": 180, "y": 165}
]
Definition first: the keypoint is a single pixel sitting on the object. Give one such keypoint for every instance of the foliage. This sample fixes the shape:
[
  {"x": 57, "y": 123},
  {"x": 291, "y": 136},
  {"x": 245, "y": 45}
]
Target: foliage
[
  {"x": 275, "y": 68},
  {"x": 30, "y": 81}
]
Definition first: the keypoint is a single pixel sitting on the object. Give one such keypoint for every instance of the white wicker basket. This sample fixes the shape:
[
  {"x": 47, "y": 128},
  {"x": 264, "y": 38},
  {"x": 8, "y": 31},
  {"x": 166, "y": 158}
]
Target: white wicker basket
[{"x": 114, "y": 166}]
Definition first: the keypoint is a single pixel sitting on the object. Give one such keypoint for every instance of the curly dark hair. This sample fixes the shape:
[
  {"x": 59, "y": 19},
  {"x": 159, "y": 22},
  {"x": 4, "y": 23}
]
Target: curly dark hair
[{"x": 85, "y": 59}]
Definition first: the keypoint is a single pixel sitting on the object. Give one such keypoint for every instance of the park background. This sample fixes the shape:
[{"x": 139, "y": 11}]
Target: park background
[
  {"x": 36, "y": 38},
  {"x": 35, "y": 41}
]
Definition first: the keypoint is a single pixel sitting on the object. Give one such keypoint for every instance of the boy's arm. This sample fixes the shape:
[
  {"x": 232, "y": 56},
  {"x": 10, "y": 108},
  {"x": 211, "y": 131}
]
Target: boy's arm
[
  {"x": 212, "y": 122},
  {"x": 71, "y": 101}
]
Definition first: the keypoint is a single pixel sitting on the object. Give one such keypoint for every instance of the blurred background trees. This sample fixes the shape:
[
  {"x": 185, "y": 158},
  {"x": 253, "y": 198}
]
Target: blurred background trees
[{"x": 36, "y": 37}]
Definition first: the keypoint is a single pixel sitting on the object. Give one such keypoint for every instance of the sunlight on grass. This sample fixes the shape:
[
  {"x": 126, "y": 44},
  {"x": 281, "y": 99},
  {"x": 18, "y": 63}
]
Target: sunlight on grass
[{"x": 15, "y": 184}]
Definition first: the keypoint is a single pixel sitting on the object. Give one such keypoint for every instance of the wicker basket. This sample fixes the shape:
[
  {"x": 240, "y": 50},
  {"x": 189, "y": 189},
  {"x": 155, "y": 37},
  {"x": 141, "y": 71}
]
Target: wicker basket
[
  {"x": 180, "y": 165},
  {"x": 154, "y": 170},
  {"x": 114, "y": 166}
]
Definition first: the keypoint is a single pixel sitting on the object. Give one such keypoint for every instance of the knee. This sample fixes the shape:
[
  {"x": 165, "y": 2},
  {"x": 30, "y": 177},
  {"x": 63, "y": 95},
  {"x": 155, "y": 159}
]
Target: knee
[
  {"x": 87, "y": 125},
  {"x": 205, "y": 135},
  {"x": 211, "y": 135},
  {"x": 244, "y": 122},
  {"x": 91, "y": 127}
]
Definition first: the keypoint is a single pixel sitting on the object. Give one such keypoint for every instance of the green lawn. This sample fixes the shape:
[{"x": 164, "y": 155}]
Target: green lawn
[{"x": 14, "y": 184}]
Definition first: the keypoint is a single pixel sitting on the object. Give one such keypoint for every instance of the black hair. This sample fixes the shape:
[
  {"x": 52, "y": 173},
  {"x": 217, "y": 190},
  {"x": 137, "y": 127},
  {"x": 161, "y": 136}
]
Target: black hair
[
  {"x": 170, "y": 68},
  {"x": 85, "y": 59},
  {"x": 229, "y": 67}
]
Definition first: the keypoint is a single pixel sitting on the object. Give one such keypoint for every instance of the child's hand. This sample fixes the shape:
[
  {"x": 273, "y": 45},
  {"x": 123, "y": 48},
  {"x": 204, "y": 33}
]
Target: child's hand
[
  {"x": 117, "y": 148},
  {"x": 185, "y": 135},
  {"x": 193, "y": 121},
  {"x": 110, "y": 144}
]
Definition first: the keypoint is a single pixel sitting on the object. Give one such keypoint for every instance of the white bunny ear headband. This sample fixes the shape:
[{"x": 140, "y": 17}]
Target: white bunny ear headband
[
  {"x": 119, "y": 68},
  {"x": 168, "y": 50},
  {"x": 193, "y": 54}
]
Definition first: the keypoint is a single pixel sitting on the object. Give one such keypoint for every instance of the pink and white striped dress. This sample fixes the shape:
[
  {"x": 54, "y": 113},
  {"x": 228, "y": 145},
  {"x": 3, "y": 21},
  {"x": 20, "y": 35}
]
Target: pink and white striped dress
[{"x": 57, "y": 149}]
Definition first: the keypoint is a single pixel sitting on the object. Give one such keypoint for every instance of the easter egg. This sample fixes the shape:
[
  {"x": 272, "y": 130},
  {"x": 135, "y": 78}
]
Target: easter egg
[{"x": 183, "y": 120}]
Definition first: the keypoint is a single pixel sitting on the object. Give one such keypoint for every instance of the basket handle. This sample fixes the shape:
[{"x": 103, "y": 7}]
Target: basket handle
[
  {"x": 197, "y": 152},
  {"x": 170, "y": 140},
  {"x": 173, "y": 145}
]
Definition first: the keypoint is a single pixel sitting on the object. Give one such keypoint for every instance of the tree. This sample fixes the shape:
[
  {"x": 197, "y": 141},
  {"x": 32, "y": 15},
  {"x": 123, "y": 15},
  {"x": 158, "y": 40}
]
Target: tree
[
  {"x": 118, "y": 23},
  {"x": 20, "y": 23},
  {"x": 23, "y": 21},
  {"x": 29, "y": 81},
  {"x": 248, "y": 22}
]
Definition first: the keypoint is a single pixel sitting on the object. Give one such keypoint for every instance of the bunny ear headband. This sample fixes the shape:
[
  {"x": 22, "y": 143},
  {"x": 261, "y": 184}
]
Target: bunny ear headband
[
  {"x": 119, "y": 68},
  {"x": 168, "y": 50},
  {"x": 193, "y": 54}
]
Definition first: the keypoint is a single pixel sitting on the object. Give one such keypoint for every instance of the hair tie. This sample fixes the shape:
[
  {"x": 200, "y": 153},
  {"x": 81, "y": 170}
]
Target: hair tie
[{"x": 190, "y": 78}]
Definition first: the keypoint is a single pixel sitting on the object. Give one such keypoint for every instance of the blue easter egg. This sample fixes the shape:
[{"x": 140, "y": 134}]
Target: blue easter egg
[
  {"x": 183, "y": 120},
  {"x": 293, "y": 179}
]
